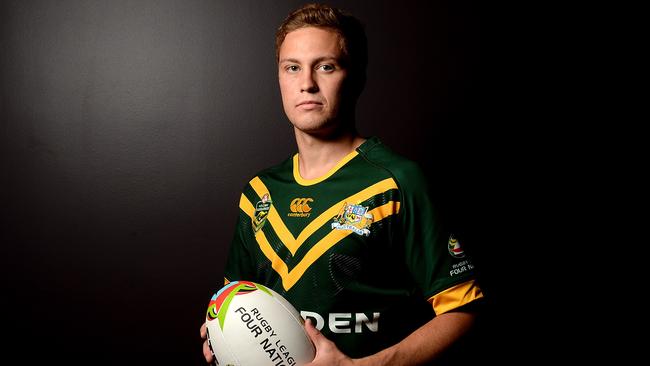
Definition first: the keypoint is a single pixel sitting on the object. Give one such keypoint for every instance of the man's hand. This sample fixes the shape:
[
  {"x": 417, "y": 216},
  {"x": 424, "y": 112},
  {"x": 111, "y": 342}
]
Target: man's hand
[
  {"x": 206, "y": 347},
  {"x": 327, "y": 354}
]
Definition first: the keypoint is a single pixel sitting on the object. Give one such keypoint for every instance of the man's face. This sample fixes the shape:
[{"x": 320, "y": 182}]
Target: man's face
[{"x": 311, "y": 79}]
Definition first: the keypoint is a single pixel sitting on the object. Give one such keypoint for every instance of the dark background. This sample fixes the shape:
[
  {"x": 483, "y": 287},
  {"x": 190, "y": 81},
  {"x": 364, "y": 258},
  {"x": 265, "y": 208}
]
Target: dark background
[{"x": 129, "y": 127}]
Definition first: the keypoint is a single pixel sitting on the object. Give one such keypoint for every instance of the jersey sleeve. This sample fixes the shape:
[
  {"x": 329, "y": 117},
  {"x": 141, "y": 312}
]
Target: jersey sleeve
[
  {"x": 435, "y": 258},
  {"x": 239, "y": 264}
]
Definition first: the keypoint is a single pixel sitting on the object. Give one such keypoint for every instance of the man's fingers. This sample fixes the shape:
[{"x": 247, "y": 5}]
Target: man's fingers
[
  {"x": 206, "y": 352},
  {"x": 206, "y": 347}
]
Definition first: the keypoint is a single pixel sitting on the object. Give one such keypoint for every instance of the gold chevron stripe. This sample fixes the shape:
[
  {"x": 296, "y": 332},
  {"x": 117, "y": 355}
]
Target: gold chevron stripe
[
  {"x": 331, "y": 239},
  {"x": 289, "y": 278},
  {"x": 285, "y": 235},
  {"x": 246, "y": 206},
  {"x": 280, "y": 228},
  {"x": 276, "y": 262}
]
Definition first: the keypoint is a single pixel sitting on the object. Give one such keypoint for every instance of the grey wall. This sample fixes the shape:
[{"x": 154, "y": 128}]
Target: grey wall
[{"x": 129, "y": 127}]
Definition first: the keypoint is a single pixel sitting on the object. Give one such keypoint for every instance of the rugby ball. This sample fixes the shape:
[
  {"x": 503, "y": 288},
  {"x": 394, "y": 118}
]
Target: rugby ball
[{"x": 251, "y": 325}]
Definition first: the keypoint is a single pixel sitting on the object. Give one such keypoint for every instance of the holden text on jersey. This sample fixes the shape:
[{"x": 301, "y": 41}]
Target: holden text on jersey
[{"x": 344, "y": 322}]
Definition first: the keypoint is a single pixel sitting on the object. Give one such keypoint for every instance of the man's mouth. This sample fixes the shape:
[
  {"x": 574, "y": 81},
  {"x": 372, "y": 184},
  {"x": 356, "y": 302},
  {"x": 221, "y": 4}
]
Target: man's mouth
[{"x": 308, "y": 105}]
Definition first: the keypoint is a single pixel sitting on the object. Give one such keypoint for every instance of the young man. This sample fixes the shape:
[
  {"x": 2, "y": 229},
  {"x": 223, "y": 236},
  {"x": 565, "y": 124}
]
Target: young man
[{"x": 345, "y": 229}]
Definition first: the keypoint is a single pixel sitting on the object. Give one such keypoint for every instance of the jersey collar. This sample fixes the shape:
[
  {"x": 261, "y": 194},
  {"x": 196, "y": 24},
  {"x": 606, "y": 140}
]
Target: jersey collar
[{"x": 364, "y": 147}]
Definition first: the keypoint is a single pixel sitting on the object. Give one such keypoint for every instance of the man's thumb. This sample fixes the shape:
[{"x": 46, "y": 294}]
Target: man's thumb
[{"x": 314, "y": 334}]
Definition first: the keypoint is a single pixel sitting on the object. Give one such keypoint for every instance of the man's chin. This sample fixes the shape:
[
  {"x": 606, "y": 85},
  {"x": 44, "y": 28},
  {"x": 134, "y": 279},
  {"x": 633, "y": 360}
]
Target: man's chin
[
  {"x": 325, "y": 131},
  {"x": 313, "y": 127}
]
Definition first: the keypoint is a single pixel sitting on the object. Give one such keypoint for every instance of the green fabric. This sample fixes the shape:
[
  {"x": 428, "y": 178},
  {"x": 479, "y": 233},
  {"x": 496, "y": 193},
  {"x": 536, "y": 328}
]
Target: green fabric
[{"x": 402, "y": 261}]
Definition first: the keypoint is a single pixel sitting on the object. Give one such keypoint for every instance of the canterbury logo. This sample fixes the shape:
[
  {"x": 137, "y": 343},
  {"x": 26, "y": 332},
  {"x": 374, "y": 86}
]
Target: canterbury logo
[{"x": 301, "y": 205}]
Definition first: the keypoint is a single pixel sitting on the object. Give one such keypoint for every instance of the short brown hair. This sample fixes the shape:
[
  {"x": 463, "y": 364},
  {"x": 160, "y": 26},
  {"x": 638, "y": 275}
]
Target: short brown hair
[{"x": 352, "y": 36}]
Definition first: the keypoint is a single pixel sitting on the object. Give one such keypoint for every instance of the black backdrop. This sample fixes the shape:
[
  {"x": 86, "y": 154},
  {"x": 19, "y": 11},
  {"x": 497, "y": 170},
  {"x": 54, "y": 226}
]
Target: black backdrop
[{"x": 129, "y": 127}]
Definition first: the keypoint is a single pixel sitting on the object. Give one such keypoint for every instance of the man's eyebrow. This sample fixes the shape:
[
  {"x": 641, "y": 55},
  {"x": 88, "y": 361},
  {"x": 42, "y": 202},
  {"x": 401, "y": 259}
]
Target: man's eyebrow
[
  {"x": 319, "y": 59},
  {"x": 292, "y": 60}
]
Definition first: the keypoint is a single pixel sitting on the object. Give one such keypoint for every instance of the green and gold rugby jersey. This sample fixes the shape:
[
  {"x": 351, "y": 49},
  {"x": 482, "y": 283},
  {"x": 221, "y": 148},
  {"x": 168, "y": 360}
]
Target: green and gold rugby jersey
[{"x": 359, "y": 250}]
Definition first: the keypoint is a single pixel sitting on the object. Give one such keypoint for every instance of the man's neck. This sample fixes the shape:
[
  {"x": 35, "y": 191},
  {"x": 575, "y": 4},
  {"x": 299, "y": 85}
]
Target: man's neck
[{"x": 317, "y": 156}]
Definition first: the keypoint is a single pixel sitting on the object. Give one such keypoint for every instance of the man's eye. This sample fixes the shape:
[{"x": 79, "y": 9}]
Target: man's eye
[
  {"x": 292, "y": 68},
  {"x": 326, "y": 68}
]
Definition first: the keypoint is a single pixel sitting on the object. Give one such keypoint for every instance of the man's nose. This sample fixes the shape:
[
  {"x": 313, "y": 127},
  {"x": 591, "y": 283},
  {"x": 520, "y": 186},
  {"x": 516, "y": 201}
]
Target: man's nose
[{"x": 308, "y": 82}]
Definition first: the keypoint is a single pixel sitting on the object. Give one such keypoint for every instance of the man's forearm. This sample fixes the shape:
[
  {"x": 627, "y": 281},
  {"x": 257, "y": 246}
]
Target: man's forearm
[{"x": 424, "y": 344}]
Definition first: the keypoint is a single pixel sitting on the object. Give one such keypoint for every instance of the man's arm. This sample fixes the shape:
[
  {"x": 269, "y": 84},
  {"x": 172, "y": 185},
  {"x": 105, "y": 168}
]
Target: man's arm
[{"x": 423, "y": 345}]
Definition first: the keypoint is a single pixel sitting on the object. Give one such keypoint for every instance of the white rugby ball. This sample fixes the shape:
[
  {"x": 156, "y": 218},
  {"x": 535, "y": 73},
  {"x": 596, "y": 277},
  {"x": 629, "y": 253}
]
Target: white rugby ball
[{"x": 251, "y": 325}]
